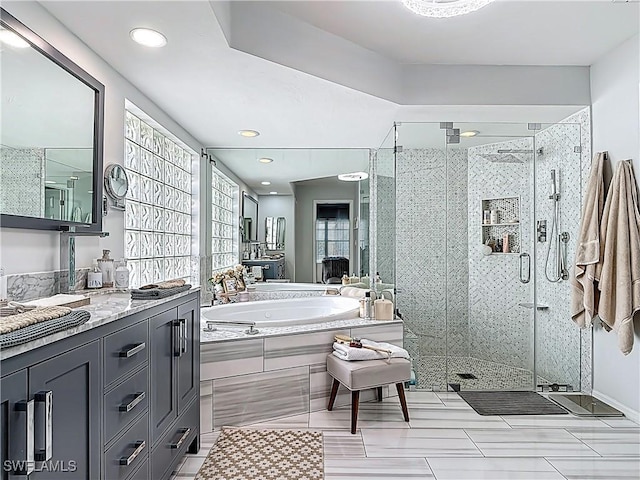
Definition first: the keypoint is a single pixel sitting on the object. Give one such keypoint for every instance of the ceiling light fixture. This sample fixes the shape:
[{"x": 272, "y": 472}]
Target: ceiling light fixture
[
  {"x": 10, "y": 38},
  {"x": 248, "y": 133},
  {"x": 148, "y": 37},
  {"x": 273, "y": 193},
  {"x": 469, "y": 133},
  {"x": 265, "y": 183},
  {"x": 265, "y": 160},
  {"x": 353, "y": 177},
  {"x": 444, "y": 8}
]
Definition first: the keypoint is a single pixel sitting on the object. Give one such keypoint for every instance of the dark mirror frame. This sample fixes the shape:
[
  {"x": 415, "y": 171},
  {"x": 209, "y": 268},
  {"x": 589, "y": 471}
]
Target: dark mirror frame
[
  {"x": 9, "y": 22},
  {"x": 245, "y": 197}
]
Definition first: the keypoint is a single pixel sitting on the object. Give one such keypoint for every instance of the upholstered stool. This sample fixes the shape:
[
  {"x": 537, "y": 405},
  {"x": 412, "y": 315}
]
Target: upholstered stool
[{"x": 363, "y": 374}]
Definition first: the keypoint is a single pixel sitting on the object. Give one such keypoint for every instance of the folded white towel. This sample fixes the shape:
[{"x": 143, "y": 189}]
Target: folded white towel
[{"x": 345, "y": 352}]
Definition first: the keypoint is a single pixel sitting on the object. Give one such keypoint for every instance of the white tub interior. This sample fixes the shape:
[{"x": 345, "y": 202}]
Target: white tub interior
[{"x": 281, "y": 313}]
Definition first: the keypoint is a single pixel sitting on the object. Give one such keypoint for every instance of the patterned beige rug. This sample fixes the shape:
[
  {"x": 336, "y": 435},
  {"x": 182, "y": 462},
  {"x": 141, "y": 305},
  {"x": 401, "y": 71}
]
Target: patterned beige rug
[{"x": 251, "y": 454}]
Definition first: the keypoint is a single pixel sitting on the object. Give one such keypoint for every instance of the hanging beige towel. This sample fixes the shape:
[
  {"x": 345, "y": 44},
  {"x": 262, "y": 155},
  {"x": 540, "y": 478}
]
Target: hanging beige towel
[
  {"x": 584, "y": 292},
  {"x": 619, "y": 273}
]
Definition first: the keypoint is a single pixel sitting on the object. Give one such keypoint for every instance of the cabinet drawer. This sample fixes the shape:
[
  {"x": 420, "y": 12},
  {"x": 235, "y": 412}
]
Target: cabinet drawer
[
  {"x": 128, "y": 452},
  {"x": 142, "y": 473},
  {"x": 125, "y": 402},
  {"x": 125, "y": 350},
  {"x": 175, "y": 442}
]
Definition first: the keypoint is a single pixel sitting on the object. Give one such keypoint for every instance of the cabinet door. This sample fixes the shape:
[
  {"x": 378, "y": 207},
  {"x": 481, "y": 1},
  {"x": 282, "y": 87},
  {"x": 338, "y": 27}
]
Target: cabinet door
[
  {"x": 163, "y": 334},
  {"x": 68, "y": 394},
  {"x": 188, "y": 353},
  {"x": 16, "y": 419}
]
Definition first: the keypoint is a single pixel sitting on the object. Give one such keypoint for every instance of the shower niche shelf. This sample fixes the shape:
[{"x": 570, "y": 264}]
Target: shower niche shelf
[{"x": 508, "y": 209}]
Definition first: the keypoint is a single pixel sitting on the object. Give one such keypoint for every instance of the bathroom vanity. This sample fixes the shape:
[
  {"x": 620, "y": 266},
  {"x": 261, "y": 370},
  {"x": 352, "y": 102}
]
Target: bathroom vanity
[
  {"x": 115, "y": 398},
  {"x": 272, "y": 269}
]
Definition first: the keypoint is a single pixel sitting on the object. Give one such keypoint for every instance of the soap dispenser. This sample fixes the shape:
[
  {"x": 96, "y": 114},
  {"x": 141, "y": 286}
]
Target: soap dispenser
[
  {"x": 107, "y": 269},
  {"x": 122, "y": 275}
]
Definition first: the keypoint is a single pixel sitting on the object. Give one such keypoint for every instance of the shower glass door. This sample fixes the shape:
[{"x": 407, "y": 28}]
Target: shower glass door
[
  {"x": 490, "y": 256},
  {"x": 480, "y": 241}
]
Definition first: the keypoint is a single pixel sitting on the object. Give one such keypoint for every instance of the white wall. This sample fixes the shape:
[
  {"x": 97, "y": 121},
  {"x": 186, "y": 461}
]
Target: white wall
[
  {"x": 280, "y": 206},
  {"x": 615, "y": 80},
  {"x": 24, "y": 251}
]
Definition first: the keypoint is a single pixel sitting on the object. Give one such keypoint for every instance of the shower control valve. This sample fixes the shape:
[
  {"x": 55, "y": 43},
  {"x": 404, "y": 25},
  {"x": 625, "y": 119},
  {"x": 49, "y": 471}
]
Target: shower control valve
[{"x": 542, "y": 231}]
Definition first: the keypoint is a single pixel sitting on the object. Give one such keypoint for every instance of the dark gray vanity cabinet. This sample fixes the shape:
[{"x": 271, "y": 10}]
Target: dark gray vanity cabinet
[
  {"x": 175, "y": 369},
  {"x": 117, "y": 402},
  {"x": 16, "y": 413},
  {"x": 72, "y": 384}
]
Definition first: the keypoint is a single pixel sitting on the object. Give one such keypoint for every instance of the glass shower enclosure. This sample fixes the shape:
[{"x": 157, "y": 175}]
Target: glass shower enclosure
[{"x": 476, "y": 226}]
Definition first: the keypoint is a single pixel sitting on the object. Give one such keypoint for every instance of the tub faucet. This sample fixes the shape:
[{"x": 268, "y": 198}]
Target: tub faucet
[
  {"x": 68, "y": 255},
  {"x": 250, "y": 331}
]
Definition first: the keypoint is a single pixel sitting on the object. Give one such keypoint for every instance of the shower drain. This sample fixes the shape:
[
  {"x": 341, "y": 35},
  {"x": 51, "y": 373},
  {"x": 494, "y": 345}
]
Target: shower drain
[{"x": 467, "y": 376}]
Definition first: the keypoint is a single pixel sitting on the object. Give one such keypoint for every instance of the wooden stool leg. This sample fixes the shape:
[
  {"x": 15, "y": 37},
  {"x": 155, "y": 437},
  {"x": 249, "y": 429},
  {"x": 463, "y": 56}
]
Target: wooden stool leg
[
  {"x": 403, "y": 401},
  {"x": 334, "y": 391},
  {"x": 379, "y": 393},
  {"x": 355, "y": 398}
]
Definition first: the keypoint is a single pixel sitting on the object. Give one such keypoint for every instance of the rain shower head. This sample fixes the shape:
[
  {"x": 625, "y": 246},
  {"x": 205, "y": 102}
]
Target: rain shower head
[
  {"x": 507, "y": 156},
  {"x": 502, "y": 157}
]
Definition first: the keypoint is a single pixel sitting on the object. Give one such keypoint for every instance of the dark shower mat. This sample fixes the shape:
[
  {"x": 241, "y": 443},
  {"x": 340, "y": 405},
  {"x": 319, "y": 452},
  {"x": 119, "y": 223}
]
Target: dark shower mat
[{"x": 511, "y": 403}]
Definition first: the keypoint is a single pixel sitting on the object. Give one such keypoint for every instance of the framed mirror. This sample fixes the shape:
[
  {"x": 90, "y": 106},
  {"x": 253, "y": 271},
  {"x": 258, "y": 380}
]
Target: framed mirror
[
  {"x": 52, "y": 115},
  {"x": 274, "y": 229},
  {"x": 249, "y": 218}
]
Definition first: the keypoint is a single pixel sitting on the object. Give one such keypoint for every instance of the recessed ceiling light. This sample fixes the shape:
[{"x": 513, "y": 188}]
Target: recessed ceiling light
[
  {"x": 248, "y": 133},
  {"x": 265, "y": 183},
  {"x": 49, "y": 181},
  {"x": 353, "y": 177},
  {"x": 148, "y": 37},
  {"x": 470, "y": 133},
  {"x": 265, "y": 160},
  {"x": 273, "y": 193},
  {"x": 10, "y": 38}
]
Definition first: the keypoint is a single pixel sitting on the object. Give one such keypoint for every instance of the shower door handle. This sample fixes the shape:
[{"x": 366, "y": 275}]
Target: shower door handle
[{"x": 525, "y": 267}]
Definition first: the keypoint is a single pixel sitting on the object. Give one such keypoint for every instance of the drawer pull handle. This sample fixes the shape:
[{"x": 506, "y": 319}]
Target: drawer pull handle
[
  {"x": 130, "y": 353},
  {"x": 132, "y": 404},
  {"x": 185, "y": 433},
  {"x": 27, "y": 446},
  {"x": 139, "y": 448},
  {"x": 43, "y": 428}
]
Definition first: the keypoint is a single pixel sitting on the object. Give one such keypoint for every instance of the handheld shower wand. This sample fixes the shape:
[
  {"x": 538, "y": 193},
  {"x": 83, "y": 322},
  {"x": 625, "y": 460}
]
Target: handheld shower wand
[{"x": 560, "y": 240}]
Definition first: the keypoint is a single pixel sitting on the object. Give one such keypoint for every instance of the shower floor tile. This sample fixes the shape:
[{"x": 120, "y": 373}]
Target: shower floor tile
[{"x": 431, "y": 373}]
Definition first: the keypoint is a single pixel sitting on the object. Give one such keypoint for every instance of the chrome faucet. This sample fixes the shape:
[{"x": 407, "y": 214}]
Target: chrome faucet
[
  {"x": 68, "y": 255},
  {"x": 251, "y": 330}
]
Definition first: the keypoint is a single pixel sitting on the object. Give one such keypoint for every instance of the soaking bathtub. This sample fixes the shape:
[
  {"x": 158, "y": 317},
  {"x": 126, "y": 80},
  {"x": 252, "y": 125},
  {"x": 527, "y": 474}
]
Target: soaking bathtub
[
  {"x": 287, "y": 312},
  {"x": 286, "y": 287}
]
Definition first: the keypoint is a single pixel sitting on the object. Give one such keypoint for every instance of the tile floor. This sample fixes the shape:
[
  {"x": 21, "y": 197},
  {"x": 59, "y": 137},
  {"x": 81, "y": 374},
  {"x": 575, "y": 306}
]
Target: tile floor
[{"x": 447, "y": 440}]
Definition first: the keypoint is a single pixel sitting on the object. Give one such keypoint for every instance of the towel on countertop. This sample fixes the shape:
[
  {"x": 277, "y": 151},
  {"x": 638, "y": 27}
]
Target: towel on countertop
[
  {"x": 37, "y": 315},
  {"x": 157, "y": 293},
  {"x": 353, "y": 292},
  {"x": 618, "y": 274},
  {"x": 584, "y": 292},
  {"x": 43, "y": 328},
  {"x": 176, "y": 282},
  {"x": 345, "y": 352}
]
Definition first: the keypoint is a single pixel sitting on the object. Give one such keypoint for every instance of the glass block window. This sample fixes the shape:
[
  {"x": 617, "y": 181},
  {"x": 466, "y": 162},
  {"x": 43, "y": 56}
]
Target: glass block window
[
  {"x": 158, "y": 211},
  {"x": 223, "y": 246}
]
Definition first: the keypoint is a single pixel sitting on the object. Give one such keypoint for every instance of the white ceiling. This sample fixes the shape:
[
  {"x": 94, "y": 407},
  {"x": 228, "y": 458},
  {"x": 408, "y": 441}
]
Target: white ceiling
[
  {"x": 507, "y": 32},
  {"x": 213, "y": 90}
]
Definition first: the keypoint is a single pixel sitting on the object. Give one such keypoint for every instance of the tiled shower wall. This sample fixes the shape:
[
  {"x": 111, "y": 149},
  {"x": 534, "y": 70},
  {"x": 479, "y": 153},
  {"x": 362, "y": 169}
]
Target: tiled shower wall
[
  {"x": 23, "y": 170},
  {"x": 500, "y": 329},
  {"x": 431, "y": 249}
]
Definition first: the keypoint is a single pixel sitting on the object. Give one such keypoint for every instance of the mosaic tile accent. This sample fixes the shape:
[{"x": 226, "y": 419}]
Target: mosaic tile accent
[
  {"x": 431, "y": 249},
  {"x": 23, "y": 170}
]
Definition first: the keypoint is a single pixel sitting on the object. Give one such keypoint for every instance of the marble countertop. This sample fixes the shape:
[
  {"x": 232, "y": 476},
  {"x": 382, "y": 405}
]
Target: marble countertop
[
  {"x": 106, "y": 306},
  {"x": 227, "y": 333}
]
